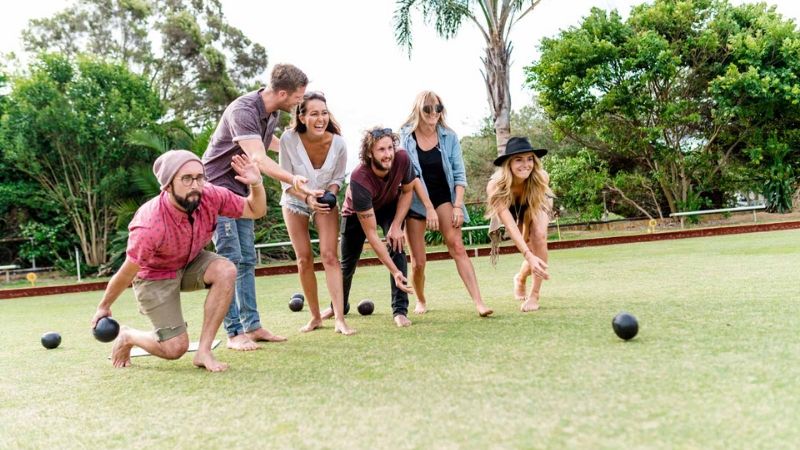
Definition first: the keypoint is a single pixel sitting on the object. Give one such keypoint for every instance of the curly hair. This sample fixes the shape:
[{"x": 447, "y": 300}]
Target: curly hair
[{"x": 369, "y": 139}]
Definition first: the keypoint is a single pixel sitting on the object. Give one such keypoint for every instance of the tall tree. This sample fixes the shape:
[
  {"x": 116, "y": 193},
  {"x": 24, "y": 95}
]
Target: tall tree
[
  {"x": 682, "y": 94},
  {"x": 66, "y": 127},
  {"x": 197, "y": 61},
  {"x": 495, "y": 20}
]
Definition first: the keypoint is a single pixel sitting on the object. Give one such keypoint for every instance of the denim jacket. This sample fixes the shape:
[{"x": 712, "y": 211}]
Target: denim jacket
[{"x": 452, "y": 161}]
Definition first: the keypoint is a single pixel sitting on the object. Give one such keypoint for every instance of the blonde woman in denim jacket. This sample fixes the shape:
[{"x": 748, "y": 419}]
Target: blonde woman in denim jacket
[{"x": 436, "y": 156}]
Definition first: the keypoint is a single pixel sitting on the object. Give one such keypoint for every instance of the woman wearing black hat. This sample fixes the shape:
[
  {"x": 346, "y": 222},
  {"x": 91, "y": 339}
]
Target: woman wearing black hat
[{"x": 519, "y": 199}]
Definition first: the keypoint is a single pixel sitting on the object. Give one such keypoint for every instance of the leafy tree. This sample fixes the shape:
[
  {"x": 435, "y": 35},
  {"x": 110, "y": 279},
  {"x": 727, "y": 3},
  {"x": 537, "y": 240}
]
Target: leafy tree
[
  {"x": 578, "y": 182},
  {"x": 679, "y": 97},
  {"x": 66, "y": 126},
  {"x": 197, "y": 61},
  {"x": 494, "y": 20}
]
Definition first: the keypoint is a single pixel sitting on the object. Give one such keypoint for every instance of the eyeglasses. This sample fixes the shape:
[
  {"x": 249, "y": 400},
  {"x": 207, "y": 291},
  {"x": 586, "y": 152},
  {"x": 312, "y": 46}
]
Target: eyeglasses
[
  {"x": 187, "y": 180},
  {"x": 380, "y": 133},
  {"x": 428, "y": 109}
]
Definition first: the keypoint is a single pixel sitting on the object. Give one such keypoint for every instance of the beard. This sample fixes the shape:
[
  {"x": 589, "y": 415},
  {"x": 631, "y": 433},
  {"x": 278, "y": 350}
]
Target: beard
[
  {"x": 191, "y": 202},
  {"x": 380, "y": 167}
]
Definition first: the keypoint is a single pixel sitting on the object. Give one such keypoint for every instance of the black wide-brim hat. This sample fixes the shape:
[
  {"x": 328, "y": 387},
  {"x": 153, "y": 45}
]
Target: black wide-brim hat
[{"x": 518, "y": 145}]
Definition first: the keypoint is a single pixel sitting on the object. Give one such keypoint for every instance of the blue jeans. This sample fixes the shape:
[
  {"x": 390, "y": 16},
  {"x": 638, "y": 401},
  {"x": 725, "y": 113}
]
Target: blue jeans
[{"x": 235, "y": 240}]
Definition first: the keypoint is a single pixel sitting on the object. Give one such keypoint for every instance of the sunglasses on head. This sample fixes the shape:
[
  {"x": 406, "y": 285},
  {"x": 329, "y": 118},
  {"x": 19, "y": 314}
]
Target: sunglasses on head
[
  {"x": 380, "y": 133},
  {"x": 428, "y": 109}
]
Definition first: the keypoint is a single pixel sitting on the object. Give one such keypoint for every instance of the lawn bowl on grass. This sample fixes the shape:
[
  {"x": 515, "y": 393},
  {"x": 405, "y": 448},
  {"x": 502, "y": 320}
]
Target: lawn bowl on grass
[{"x": 716, "y": 370}]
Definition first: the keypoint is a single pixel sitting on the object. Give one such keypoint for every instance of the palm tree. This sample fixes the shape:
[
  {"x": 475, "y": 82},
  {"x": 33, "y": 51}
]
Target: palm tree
[{"x": 494, "y": 19}]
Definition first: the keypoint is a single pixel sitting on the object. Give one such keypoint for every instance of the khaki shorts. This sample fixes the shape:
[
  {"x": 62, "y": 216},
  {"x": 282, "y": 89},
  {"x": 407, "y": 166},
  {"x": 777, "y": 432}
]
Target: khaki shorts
[{"x": 160, "y": 300}]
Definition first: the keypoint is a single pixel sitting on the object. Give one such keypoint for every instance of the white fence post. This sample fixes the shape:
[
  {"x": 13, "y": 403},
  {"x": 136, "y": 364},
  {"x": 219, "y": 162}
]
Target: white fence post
[{"x": 78, "y": 263}]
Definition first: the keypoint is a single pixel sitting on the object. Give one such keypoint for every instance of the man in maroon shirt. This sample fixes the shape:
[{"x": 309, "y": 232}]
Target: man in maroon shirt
[
  {"x": 165, "y": 256},
  {"x": 379, "y": 194}
]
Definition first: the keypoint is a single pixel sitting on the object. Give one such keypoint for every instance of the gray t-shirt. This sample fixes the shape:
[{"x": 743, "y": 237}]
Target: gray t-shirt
[{"x": 245, "y": 118}]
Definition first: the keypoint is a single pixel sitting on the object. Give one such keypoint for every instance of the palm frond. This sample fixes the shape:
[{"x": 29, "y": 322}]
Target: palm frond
[
  {"x": 148, "y": 139},
  {"x": 145, "y": 181}
]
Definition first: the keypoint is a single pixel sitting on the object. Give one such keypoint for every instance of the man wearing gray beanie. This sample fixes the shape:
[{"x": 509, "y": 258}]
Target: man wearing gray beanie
[
  {"x": 247, "y": 127},
  {"x": 165, "y": 256}
]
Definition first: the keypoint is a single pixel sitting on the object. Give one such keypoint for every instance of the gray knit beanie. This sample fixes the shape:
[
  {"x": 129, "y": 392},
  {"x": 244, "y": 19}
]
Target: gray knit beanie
[{"x": 168, "y": 164}]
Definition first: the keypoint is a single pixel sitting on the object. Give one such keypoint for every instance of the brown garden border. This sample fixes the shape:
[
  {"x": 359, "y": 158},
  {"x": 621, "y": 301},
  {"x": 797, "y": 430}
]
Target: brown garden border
[{"x": 441, "y": 255}]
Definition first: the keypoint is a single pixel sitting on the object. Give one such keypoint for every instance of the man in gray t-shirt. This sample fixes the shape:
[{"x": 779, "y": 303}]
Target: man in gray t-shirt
[{"x": 246, "y": 126}]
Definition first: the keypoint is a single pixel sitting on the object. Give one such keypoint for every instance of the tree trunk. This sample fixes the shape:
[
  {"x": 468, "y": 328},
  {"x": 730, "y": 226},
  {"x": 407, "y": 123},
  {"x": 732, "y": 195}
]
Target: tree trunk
[{"x": 496, "y": 77}]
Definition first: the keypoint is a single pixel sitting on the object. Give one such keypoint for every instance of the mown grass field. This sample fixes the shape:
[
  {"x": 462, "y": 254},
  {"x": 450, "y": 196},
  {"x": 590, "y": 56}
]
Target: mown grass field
[{"x": 715, "y": 364}]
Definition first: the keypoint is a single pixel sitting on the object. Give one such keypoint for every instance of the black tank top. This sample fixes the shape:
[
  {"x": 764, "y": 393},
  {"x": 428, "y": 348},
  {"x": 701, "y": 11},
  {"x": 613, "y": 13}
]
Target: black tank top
[{"x": 430, "y": 162}]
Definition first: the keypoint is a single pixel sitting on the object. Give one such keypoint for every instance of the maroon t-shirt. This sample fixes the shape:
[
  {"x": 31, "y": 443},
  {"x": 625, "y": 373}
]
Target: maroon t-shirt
[{"x": 369, "y": 191}]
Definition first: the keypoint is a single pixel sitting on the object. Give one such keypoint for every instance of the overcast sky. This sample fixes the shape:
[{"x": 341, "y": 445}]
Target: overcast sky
[{"x": 347, "y": 49}]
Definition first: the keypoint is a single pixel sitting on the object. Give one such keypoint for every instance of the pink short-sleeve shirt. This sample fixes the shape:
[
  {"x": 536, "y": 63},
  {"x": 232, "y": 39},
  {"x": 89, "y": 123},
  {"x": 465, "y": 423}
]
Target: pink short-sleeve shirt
[{"x": 162, "y": 240}]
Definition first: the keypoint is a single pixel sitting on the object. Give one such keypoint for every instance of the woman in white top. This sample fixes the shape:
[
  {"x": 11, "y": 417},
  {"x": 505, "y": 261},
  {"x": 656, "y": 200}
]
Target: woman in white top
[{"x": 314, "y": 149}]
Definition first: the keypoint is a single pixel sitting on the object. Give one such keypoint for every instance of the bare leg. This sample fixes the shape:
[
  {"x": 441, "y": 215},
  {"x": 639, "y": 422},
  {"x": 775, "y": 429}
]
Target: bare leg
[
  {"x": 538, "y": 245},
  {"x": 455, "y": 246},
  {"x": 128, "y": 337},
  {"x": 221, "y": 276},
  {"x": 520, "y": 281},
  {"x": 297, "y": 225},
  {"x": 415, "y": 235},
  {"x": 328, "y": 229}
]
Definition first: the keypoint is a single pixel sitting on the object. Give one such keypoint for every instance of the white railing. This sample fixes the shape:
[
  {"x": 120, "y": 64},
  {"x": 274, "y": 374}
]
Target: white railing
[
  {"x": 753, "y": 208},
  {"x": 7, "y": 269}
]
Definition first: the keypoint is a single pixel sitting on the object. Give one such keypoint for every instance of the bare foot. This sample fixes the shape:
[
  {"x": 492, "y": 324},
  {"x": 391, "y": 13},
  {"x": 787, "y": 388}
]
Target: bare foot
[
  {"x": 121, "y": 352},
  {"x": 341, "y": 327},
  {"x": 532, "y": 304},
  {"x": 242, "y": 343},
  {"x": 327, "y": 314},
  {"x": 262, "y": 335},
  {"x": 402, "y": 321},
  {"x": 207, "y": 360},
  {"x": 483, "y": 310},
  {"x": 421, "y": 307},
  {"x": 312, "y": 325},
  {"x": 519, "y": 288}
]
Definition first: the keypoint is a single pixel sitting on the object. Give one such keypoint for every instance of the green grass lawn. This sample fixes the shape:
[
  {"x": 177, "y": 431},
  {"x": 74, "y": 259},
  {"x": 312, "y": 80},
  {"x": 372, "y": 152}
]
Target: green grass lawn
[{"x": 715, "y": 364}]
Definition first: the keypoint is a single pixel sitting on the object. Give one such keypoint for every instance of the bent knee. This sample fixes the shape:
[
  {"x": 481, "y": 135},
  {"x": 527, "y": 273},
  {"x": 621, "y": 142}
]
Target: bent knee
[
  {"x": 176, "y": 347},
  {"x": 305, "y": 263},
  {"x": 221, "y": 270},
  {"x": 329, "y": 259},
  {"x": 456, "y": 247}
]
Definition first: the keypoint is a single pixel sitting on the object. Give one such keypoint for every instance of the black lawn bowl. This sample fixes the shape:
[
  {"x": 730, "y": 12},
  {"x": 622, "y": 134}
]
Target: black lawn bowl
[
  {"x": 328, "y": 199},
  {"x": 51, "y": 340},
  {"x": 106, "y": 329},
  {"x": 625, "y": 326},
  {"x": 366, "y": 307},
  {"x": 298, "y": 295},
  {"x": 296, "y": 304}
]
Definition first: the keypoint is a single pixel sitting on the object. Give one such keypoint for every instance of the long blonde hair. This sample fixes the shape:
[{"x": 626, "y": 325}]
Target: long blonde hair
[
  {"x": 415, "y": 117},
  {"x": 535, "y": 193}
]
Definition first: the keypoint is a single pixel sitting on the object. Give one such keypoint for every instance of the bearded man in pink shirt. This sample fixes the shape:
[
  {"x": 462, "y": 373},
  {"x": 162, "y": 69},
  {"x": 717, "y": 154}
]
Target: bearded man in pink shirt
[{"x": 165, "y": 256}]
